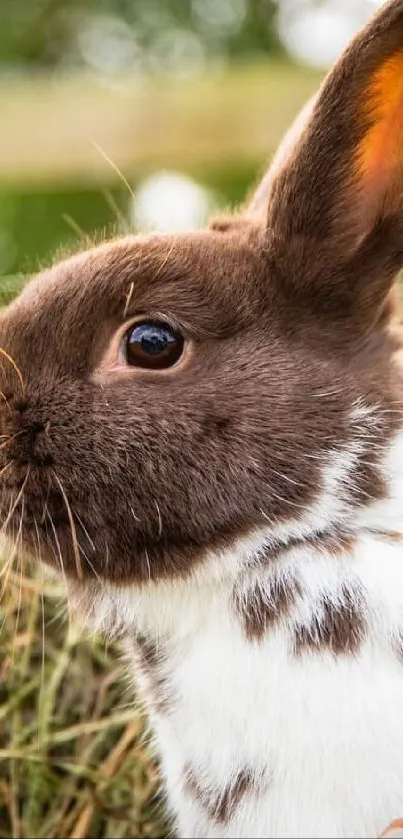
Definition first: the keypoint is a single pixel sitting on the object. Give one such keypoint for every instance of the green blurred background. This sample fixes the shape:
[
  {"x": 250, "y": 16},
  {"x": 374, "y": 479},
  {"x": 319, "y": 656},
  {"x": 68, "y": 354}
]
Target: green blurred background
[{"x": 186, "y": 99}]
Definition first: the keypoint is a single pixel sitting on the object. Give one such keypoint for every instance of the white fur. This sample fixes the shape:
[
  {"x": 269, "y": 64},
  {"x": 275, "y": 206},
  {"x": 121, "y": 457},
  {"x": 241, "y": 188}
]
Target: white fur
[{"x": 324, "y": 734}]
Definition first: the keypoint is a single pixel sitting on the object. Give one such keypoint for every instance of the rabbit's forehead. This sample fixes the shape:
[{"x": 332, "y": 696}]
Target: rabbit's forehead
[{"x": 204, "y": 279}]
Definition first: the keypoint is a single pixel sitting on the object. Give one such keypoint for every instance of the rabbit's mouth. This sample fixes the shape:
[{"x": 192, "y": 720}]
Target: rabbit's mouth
[
  {"x": 36, "y": 515},
  {"x": 36, "y": 520}
]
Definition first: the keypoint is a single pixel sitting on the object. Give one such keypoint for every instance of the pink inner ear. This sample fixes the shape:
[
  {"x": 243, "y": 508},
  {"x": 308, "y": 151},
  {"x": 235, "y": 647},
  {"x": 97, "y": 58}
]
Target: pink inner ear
[{"x": 380, "y": 153}]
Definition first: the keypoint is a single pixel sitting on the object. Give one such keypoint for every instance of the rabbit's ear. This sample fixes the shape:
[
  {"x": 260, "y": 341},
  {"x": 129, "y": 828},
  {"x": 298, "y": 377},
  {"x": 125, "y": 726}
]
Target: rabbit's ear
[{"x": 335, "y": 196}]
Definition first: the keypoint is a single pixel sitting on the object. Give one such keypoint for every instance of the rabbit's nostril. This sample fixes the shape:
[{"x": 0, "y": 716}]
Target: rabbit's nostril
[
  {"x": 21, "y": 406},
  {"x": 37, "y": 426},
  {"x": 47, "y": 460}
]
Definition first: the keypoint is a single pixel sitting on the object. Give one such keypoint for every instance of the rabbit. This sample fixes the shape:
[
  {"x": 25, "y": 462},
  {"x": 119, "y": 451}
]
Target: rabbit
[{"x": 204, "y": 435}]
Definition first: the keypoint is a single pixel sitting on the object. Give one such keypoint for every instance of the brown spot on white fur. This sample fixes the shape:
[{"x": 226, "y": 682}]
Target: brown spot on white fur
[
  {"x": 338, "y": 624},
  {"x": 262, "y": 605},
  {"x": 332, "y": 541},
  {"x": 390, "y": 536},
  {"x": 369, "y": 483},
  {"x": 150, "y": 660},
  {"x": 219, "y": 805}
]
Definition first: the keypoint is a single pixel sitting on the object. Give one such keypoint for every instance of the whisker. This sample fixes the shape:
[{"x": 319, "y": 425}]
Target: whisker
[
  {"x": 166, "y": 257},
  {"x": 287, "y": 478},
  {"x": 88, "y": 561},
  {"x": 82, "y": 235},
  {"x": 159, "y": 519},
  {"x": 115, "y": 168},
  {"x": 5, "y": 583},
  {"x": 148, "y": 563},
  {"x": 9, "y": 558},
  {"x": 17, "y": 621},
  {"x": 9, "y": 510},
  {"x": 74, "y": 540},
  {"x": 4, "y": 397},
  {"x": 16, "y": 502},
  {"x": 59, "y": 551},
  {"x": 107, "y": 557},
  {"x": 5, "y": 570},
  {"x": 15, "y": 366},
  {"x": 7, "y": 466},
  {"x": 82, "y": 525},
  {"x": 42, "y": 599},
  {"x": 5, "y": 587},
  {"x": 42, "y": 680},
  {"x": 10, "y": 440},
  {"x": 128, "y": 299},
  {"x": 112, "y": 204}
]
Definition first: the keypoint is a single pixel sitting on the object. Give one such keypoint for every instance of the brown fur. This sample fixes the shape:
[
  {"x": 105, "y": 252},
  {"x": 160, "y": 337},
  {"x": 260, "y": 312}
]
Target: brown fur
[
  {"x": 130, "y": 474},
  {"x": 261, "y": 606},
  {"x": 337, "y": 627},
  {"x": 151, "y": 660},
  {"x": 259, "y": 610},
  {"x": 220, "y": 805}
]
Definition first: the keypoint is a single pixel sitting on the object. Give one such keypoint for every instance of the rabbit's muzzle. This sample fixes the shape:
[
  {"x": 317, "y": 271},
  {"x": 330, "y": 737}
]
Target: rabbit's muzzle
[
  {"x": 24, "y": 437},
  {"x": 31, "y": 502}
]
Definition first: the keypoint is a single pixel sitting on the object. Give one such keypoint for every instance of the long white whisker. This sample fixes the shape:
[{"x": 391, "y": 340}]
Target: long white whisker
[
  {"x": 18, "y": 498},
  {"x": 159, "y": 519},
  {"x": 73, "y": 530},
  {"x": 59, "y": 550},
  {"x": 82, "y": 525}
]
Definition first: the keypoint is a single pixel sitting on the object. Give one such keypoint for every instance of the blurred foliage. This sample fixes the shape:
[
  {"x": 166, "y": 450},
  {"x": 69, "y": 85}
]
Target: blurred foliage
[
  {"x": 108, "y": 39},
  {"x": 39, "y": 225},
  {"x": 73, "y": 755},
  {"x": 51, "y": 34}
]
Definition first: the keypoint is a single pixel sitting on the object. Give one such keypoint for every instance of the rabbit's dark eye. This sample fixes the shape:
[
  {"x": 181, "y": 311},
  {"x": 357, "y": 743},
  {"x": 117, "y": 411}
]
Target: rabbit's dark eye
[{"x": 152, "y": 345}]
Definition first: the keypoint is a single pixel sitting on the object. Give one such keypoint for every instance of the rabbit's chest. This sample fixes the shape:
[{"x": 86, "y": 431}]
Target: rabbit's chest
[
  {"x": 284, "y": 748},
  {"x": 283, "y": 716}
]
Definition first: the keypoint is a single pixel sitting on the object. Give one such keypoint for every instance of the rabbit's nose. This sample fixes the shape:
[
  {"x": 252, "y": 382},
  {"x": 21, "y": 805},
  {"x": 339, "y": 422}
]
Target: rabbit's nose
[{"x": 23, "y": 434}]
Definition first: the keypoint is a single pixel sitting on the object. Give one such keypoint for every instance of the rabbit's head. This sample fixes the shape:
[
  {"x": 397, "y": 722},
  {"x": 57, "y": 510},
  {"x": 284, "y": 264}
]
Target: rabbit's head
[{"x": 164, "y": 396}]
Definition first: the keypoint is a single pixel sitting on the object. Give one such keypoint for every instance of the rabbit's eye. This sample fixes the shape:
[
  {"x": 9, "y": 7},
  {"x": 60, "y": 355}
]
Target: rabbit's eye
[{"x": 152, "y": 345}]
